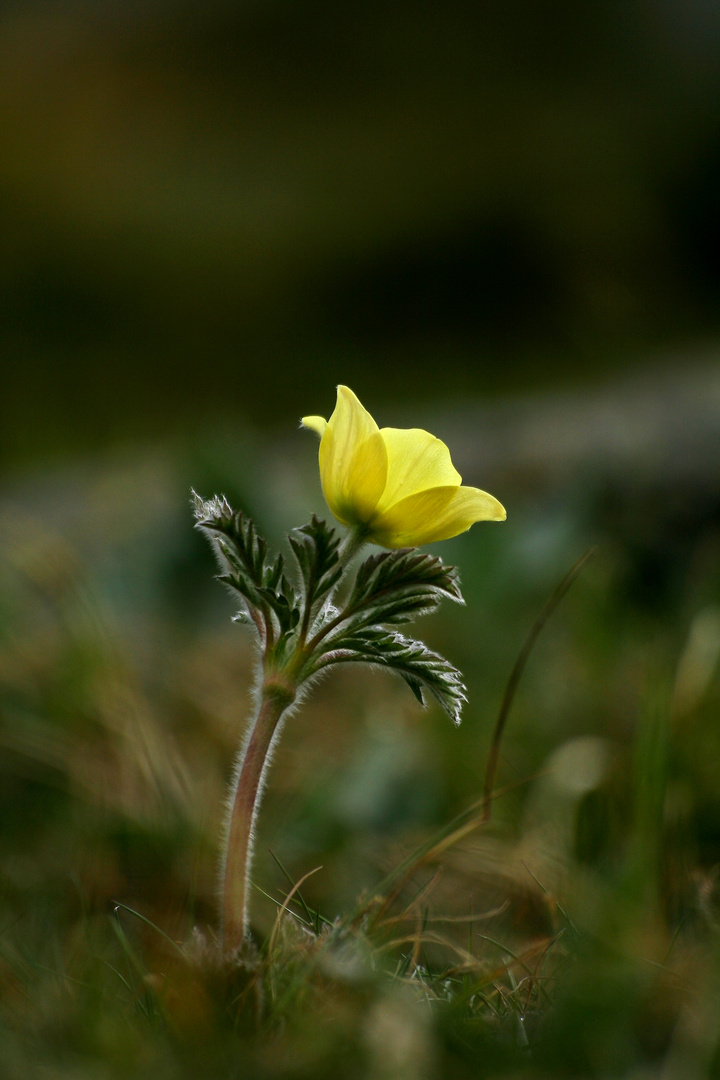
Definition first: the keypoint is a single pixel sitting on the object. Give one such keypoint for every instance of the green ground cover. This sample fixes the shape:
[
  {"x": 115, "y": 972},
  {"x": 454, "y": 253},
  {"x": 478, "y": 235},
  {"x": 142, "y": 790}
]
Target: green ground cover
[{"x": 575, "y": 934}]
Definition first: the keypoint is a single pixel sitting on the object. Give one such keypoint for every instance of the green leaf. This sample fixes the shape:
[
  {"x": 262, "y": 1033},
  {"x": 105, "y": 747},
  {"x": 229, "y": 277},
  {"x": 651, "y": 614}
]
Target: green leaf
[
  {"x": 421, "y": 669},
  {"x": 248, "y": 568},
  {"x": 396, "y": 586},
  {"x": 315, "y": 547}
]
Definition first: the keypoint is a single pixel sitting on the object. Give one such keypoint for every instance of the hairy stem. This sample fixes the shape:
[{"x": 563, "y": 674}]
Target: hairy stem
[
  {"x": 355, "y": 539},
  {"x": 278, "y": 692},
  {"x": 246, "y": 793}
]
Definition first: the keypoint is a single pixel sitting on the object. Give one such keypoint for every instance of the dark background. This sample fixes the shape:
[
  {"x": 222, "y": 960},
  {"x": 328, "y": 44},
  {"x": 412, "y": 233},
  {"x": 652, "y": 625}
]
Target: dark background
[{"x": 226, "y": 208}]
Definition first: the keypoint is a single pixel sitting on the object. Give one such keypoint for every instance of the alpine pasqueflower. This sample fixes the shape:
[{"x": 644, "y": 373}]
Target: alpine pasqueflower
[{"x": 396, "y": 487}]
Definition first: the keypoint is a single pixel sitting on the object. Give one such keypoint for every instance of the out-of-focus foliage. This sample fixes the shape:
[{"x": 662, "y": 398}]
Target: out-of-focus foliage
[{"x": 573, "y": 936}]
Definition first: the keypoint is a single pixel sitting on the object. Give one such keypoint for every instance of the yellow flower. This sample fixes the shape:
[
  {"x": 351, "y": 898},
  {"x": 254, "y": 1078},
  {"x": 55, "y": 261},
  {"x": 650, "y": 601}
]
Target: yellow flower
[{"x": 397, "y": 487}]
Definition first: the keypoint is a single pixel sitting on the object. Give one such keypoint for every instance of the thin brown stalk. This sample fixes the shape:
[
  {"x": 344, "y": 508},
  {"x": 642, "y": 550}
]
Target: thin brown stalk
[
  {"x": 284, "y": 907},
  {"x": 515, "y": 675}
]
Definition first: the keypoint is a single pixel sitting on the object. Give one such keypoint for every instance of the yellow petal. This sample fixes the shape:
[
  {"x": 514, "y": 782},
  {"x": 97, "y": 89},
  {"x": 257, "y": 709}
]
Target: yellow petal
[
  {"x": 315, "y": 423},
  {"x": 416, "y": 461},
  {"x": 353, "y": 493},
  {"x": 436, "y": 514},
  {"x": 353, "y": 460},
  {"x": 400, "y": 486}
]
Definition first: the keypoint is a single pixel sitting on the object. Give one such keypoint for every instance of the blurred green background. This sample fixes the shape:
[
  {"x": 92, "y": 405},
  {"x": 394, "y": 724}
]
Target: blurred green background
[{"x": 497, "y": 221}]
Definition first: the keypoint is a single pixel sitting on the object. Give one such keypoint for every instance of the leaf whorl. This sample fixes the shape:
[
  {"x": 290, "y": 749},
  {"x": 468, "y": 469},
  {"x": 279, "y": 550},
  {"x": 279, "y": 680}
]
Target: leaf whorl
[{"x": 390, "y": 588}]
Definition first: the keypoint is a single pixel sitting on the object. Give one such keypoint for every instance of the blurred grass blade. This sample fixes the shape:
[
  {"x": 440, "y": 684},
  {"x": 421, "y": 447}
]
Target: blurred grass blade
[{"x": 516, "y": 673}]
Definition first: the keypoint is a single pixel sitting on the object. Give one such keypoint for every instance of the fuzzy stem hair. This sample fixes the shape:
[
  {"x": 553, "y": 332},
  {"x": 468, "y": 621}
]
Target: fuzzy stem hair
[{"x": 253, "y": 760}]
